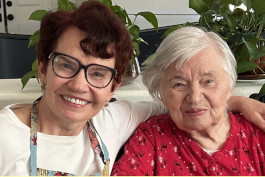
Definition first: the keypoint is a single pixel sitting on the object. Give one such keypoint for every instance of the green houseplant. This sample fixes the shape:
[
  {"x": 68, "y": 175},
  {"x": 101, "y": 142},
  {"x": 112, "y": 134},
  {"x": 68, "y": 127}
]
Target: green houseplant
[
  {"x": 241, "y": 24},
  {"x": 133, "y": 29}
]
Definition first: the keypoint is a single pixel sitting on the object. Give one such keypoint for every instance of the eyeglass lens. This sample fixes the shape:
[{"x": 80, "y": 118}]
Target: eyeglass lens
[{"x": 67, "y": 67}]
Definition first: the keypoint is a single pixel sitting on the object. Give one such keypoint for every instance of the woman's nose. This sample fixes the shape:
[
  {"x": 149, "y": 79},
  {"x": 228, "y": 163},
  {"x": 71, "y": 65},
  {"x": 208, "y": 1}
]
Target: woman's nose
[
  {"x": 195, "y": 94},
  {"x": 79, "y": 82}
]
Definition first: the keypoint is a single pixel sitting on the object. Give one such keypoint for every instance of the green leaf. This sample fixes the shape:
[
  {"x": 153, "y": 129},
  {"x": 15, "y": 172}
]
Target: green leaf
[
  {"x": 261, "y": 26},
  {"x": 66, "y": 5},
  {"x": 216, "y": 28},
  {"x": 171, "y": 29},
  {"x": 134, "y": 30},
  {"x": 27, "y": 76},
  {"x": 148, "y": 59},
  {"x": 122, "y": 14},
  {"x": 247, "y": 3},
  {"x": 34, "y": 39},
  {"x": 243, "y": 53},
  {"x": 205, "y": 20},
  {"x": 223, "y": 9},
  {"x": 38, "y": 15},
  {"x": 136, "y": 48},
  {"x": 258, "y": 6},
  {"x": 150, "y": 17},
  {"x": 231, "y": 21},
  {"x": 239, "y": 13},
  {"x": 262, "y": 90},
  {"x": 198, "y": 5},
  {"x": 261, "y": 53},
  {"x": 236, "y": 2},
  {"x": 140, "y": 40},
  {"x": 107, "y": 2},
  {"x": 35, "y": 65},
  {"x": 245, "y": 66},
  {"x": 252, "y": 49}
]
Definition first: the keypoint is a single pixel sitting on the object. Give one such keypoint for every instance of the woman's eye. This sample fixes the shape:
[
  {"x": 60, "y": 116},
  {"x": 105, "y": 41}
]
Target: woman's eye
[
  {"x": 209, "y": 81},
  {"x": 67, "y": 66},
  {"x": 97, "y": 74},
  {"x": 178, "y": 85}
]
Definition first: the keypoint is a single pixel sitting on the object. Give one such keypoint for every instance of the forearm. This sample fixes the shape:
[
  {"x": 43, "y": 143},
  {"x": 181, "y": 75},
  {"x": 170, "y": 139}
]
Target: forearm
[
  {"x": 253, "y": 110},
  {"x": 236, "y": 103}
]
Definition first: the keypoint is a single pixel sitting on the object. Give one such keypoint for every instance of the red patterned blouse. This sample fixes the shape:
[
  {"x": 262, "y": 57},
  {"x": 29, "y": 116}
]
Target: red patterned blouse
[{"x": 159, "y": 148}]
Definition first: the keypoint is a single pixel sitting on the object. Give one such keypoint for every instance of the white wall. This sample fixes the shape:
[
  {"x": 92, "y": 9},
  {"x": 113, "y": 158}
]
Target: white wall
[{"x": 168, "y": 12}]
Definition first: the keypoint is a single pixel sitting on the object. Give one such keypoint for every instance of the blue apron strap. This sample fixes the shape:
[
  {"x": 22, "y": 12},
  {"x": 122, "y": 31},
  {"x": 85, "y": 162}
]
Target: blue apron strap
[
  {"x": 33, "y": 139},
  {"x": 104, "y": 154}
]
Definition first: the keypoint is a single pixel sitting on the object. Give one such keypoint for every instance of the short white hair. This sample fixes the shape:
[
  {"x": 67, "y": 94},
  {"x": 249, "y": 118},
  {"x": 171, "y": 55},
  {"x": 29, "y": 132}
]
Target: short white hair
[{"x": 180, "y": 46}]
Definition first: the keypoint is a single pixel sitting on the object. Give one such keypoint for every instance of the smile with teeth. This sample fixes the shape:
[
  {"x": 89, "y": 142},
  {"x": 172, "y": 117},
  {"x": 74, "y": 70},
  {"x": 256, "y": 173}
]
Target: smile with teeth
[{"x": 75, "y": 101}]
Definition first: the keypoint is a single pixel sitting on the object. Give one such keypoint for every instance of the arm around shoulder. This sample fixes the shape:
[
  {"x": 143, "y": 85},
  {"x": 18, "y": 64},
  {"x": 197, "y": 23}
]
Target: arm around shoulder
[{"x": 253, "y": 110}]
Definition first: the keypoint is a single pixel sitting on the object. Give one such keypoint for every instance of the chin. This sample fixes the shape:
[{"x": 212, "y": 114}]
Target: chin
[
  {"x": 196, "y": 126},
  {"x": 72, "y": 114}
]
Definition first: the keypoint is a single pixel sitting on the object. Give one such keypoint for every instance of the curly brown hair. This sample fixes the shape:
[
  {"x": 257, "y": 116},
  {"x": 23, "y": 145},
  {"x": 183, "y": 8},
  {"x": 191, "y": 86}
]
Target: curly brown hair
[{"x": 104, "y": 31}]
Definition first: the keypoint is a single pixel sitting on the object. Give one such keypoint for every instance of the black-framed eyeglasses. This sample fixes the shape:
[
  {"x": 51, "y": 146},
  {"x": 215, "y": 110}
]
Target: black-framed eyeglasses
[{"x": 65, "y": 66}]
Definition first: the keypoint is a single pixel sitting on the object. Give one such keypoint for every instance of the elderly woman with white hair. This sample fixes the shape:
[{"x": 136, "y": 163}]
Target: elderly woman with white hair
[{"x": 193, "y": 74}]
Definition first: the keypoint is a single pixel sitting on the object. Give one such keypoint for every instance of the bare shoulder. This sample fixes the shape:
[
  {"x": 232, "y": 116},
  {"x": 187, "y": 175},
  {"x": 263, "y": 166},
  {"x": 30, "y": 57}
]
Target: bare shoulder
[{"x": 22, "y": 111}]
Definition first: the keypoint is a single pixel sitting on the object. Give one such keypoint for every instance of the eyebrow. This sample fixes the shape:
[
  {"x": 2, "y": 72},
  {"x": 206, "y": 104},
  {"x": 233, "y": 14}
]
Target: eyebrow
[
  {"x": 176, "y": 77},
  {"x": 209, "y": 73},
  {"x": 179, "y": 76}
]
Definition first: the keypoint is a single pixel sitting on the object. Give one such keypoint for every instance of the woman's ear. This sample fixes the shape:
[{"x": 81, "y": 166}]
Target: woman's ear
[
  {"x": 42, "y": 71},
  {"x": 229, "y": 94},
  {"x": 114, "y": 88}
]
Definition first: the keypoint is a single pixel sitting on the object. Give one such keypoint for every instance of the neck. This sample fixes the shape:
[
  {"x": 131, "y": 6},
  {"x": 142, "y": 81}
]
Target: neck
[
  {"x": 50, "y": 124},
  {"x": 214, "y": 137}
]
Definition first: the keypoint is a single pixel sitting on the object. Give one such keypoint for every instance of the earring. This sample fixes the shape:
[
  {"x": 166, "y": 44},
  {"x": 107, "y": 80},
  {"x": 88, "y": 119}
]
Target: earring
[
  {"x": 107, "y": 103},
  {"x": 42, "y": 85}
]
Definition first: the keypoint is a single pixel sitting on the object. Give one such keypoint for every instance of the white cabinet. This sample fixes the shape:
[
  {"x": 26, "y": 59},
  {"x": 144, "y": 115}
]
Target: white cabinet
[{"x": 2, "y": 25}]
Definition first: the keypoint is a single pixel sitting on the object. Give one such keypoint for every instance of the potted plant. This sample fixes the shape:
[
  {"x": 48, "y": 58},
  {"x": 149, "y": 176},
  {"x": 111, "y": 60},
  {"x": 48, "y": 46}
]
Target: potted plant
[
  {"x": 134, "y": 30},
  {"x": 241, "y": 24}
]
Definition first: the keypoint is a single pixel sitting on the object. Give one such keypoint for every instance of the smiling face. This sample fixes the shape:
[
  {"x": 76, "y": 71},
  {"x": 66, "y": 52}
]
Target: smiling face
[
  {"x": 196, "y": 94},
  {"x": 73, "y": 100}
]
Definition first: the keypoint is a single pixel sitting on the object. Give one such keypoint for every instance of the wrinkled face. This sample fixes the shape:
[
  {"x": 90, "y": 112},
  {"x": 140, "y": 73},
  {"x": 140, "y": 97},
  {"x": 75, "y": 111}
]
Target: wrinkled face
[
  {"x": 196, "y": 95},
  {"x": 73, "y": 99}
]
